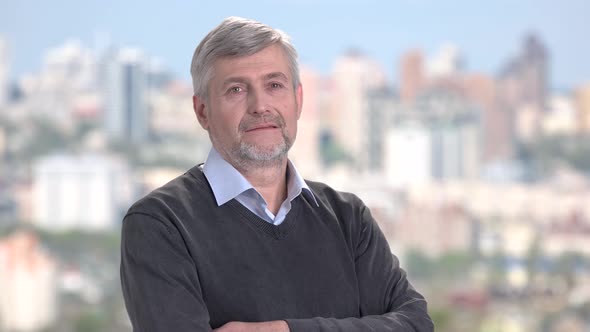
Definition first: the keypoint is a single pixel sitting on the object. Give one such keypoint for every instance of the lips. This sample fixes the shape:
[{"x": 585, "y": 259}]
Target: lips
[
  {"x": 262, "y": 122},
  {"x": 262, "y": 126}
]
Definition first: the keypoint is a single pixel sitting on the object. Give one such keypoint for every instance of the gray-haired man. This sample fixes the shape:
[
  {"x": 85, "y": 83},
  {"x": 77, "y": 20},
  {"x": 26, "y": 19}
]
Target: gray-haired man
[{"x": 243, "y": 243}]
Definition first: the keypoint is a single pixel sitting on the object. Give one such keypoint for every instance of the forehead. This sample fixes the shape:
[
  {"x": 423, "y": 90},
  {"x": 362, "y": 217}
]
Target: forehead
[{"x": 268, "y": 60}]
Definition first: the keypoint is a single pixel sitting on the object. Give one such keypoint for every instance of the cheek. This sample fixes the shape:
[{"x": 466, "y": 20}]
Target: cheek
[
  {"x": 292, "y": 114},
  {"x": 227, "y": 122},
  {"x": 231, "y": 112},
  {"x": 291, "y": 123}
]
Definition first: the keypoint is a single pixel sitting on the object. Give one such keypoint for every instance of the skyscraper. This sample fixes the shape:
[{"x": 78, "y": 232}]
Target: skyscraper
[
  {"x": 354, "y": 75},
  {"x": 124, "y": 82},
  {"x": 383, "y": 105},
  {"x": 446, "y": 63},
  {"x": 528, "y": 72},
  {"x": 523, "y": 87},
  {"x": 306, "y": 151},
  {"x": 408, "y": 154},
  {"x": 436, "y": 138},
  {"x": 534, "y": 72},
  {"x": 412, "y": 79},
  {"x": 456, "y": 149},
  {"x": 497, "y": 137}
]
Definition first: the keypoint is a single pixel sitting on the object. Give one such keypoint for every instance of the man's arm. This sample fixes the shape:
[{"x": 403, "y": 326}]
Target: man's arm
[
  {"x": 160, "y": 283},
  {"x": 274, "y": 326},
  {"x": 388, "y": 301}
]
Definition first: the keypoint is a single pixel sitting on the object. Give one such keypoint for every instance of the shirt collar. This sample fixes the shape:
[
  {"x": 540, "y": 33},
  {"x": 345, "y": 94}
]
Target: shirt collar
[
  {"x": 297, "y": 185},
  {"x": 227, "y": 183}
]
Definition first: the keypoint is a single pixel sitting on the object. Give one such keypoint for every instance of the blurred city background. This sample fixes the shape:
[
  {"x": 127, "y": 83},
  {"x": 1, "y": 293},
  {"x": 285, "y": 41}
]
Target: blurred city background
[{"x": 464, "y": 126}]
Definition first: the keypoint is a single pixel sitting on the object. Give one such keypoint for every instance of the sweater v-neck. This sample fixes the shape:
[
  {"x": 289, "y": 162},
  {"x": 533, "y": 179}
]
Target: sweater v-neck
[{"x": 277, "y": 232}]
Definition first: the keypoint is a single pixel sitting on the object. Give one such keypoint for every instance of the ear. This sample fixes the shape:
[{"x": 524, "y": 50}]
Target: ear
[
  {"x": 299, "y": 99},
  {"x": 200, "y": 109}
]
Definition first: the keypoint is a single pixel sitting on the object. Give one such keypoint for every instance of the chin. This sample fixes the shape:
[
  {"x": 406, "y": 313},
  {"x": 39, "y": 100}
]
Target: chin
[{"x": 263, "y": 153}]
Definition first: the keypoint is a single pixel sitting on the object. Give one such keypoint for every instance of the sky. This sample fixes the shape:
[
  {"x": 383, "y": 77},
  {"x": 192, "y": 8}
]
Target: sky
[{"x": 487, "y": 33}]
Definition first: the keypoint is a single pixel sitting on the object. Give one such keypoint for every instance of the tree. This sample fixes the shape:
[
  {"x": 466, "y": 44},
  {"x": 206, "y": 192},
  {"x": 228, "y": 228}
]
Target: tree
[{"x": 418, "y": 265}]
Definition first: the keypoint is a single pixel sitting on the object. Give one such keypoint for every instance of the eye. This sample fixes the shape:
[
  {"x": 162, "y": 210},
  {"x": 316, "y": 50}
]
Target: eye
[
  {"x": 275, "y": 85},
  {"x": 235, "y": 89}
]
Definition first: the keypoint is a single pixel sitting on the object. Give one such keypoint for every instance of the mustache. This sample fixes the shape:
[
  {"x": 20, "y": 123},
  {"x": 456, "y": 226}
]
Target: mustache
[{"x": 263, "y": 119}]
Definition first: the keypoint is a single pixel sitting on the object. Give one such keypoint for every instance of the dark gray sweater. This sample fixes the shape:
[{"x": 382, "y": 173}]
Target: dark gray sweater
[{"x": 189, "y": 265}]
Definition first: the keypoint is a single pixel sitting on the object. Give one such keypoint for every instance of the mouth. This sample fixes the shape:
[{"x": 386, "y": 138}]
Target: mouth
[{"x": 265, "y": 126}]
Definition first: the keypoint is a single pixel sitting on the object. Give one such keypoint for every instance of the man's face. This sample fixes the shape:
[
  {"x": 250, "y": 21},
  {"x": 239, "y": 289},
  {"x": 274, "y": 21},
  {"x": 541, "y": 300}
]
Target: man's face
[{"x": 252, "y": 108}]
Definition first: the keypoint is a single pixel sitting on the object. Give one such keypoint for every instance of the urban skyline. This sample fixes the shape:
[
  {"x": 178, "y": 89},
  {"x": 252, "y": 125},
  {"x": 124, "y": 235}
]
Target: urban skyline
[
  {"x": 485, "y": 34},
  {"x": 480, "y": 180}
]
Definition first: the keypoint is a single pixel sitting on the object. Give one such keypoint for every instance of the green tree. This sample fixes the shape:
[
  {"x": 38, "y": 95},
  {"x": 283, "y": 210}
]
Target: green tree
[
  {"x": 566, "y": 267},
  {"x": 454, "y": 264},
  {"x": 441, "y": 317},
  {"x": 90, "y": 322},
  {"x": 498, "y": 268},
  {"x": 548, "y": 152},
  {"x": 418, "y": 264},
  {"x": 534, "y": 257}
]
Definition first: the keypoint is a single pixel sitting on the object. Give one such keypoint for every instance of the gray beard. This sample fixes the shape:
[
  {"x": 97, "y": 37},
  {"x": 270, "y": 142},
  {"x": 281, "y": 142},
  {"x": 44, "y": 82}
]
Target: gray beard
[{"x": 251, "y": 156}]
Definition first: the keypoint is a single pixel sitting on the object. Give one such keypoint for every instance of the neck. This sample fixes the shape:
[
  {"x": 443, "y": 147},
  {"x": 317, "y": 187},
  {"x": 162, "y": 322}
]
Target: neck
[{"x": 270, "y": 182}]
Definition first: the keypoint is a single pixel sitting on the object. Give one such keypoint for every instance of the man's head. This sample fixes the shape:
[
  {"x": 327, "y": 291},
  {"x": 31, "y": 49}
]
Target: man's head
[
  {"x": 237, "y": 37},
  {"x": 247, "y": 92}
]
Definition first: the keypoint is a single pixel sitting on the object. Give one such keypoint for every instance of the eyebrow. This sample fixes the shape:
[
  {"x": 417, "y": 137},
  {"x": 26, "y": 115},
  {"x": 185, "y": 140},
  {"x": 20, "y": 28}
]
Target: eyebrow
[
  {"x": 269, "y": 76},
  {"x": 276, "y": 75},
  {"x": 232, "y": 80}
]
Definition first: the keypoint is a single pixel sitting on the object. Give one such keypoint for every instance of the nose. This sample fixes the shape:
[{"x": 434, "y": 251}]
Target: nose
[{"x": 258, "y": 101}]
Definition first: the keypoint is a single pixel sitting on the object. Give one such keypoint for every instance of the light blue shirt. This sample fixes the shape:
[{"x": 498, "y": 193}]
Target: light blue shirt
[{"x": 227, "y": 183}]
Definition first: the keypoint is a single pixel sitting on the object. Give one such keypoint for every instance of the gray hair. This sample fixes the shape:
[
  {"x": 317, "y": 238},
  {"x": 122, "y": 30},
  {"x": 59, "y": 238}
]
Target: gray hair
[{"x": 236, "y": 37}]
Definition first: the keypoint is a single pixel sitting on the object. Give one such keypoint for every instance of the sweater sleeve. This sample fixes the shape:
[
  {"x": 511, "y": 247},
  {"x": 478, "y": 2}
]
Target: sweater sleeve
[
  {"x": 387, "y": 300},
  {"x": 160, "y": 283}
]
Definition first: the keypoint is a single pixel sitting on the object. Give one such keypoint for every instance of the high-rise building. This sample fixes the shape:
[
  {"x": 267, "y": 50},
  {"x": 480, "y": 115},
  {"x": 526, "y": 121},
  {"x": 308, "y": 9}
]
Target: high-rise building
[
  {"x": 446, "y": 63},
  {"x": 535, "y": 72},
  {"x": 412, "y": 75},
  {"x": 560, "y": 119},
  {"x": 89, "y": 192},
  {"x": 354, "y": 75},
  {"x": 456, "y": 149},
  {"x": 3, "y": 72},
  {"x": 582, "y": 96},
  {"x": 383, "y": 105},
  {"x": 27, "y": 283},
  {"x": 528, "y": 72},
  {"x": 436, "y": 138},
  {"x": 527, "y": 124},
  {"x": 497, "y": 136},
  {"x": 455, "y": 130},
  {"x": 523, "y": 86},
  {"x": 408, "y": 155},
  {"x": 124, "y": 82},
  {"x": 306, "y": 151}
]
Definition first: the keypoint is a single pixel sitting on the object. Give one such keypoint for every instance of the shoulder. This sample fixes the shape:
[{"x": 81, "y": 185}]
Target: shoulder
[
  {"x": 173, "y": 198},
  {"x": 332, "y": 197},
  {"x": 346, "y": 207},
  {"x": 353, "y": 217}
]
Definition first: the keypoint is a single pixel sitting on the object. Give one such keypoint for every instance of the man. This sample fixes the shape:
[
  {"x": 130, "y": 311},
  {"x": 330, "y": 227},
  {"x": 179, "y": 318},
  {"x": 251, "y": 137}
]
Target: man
[{"x": 243, "y": 243}]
